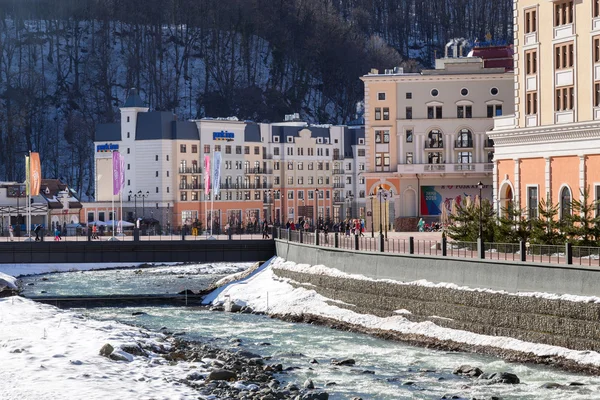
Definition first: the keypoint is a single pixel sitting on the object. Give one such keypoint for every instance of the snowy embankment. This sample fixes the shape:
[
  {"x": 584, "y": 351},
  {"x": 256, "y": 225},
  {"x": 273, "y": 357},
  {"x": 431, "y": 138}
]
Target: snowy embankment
[
  {"x": 265, "y": 292},
  {"x": 49, "y": 353}
]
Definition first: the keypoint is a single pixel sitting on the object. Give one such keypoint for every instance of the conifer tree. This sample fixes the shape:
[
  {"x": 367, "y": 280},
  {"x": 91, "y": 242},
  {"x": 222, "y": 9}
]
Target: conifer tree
[
  {"x": 546, "y": 229},
  {"x": 582, "y": 226},
  {"x": 464, "y": 226},
  {"x": 512, "y": 226}
]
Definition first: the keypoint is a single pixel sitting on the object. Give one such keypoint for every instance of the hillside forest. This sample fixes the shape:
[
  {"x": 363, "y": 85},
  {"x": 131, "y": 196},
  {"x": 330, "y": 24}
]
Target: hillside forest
[{"x": 66, "y": 65}]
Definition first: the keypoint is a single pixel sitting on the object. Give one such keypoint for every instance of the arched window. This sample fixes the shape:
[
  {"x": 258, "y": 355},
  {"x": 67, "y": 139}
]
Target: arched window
[
  {"x": 435, "y": 140},
  {"x": 565, "y": 202},
  {"x": 465, "y": 139}
]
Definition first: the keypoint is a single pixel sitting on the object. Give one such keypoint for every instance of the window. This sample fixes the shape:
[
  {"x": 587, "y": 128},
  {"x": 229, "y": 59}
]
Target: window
[
  {"x": 408, "y": 112},
  {"x": 377, "y": 113},
  {"x": 194, "y": 148},
  {"x": 408, "y": 95},
  {"x": 434, "y": 112},
  {"x": 167, "y": 174},
  {"x": 167, "y": 157},
  {"x": 386, "y": 113},
  {"x": 310, "y": 166},
  {"x": 465, "y": 139},
  {"x": 207, "y": 149},
  {"x": 464, "y": 92},
  {"x": 596, "y": 10},
  {"x": 128, "y": 150},
  {"x": 127, "y": 135},
  {"x": 228, "y": 165},
  {"x": 311, "y": 151},
  {"x": 238, "y": 149},
  {"x": 290, "y": 166},
  {"x": 382, "y": 136},
  {"x": 494, "y": 110},
  {"x": 182, "y": 148},
  {"x": 532, "y": 202},
  {"x": 380, "y": 96},
  {"x": 530, "y": 20},
  {"x": 256, "y": 150},
  {"x": 300, "y": 166},
  {"x": 434, "y": 92},
  {"x": 361, "y": 152},
  {"x": 276, "y": 165},
  {"x": 290, "y": 180},
  {"x": 311, "y": 180},
  {"x": 127, "y": 119},
  {"x": 434, "y": 140},
  {"x": 530, "y": 63},
  {"x": 409, "y": 135},
  {"x": 596, "y": 94},
  {"x": 494, "y": 91},
  {"x": 386, "y": 159},
  {"x": 217, "y": 147},
  {"x": 320, "y": 166},
  {"x": 597, "y": 200},
  {"x": 227, "y": 149},
  {"x": 465, "y": 157},
  {"x": 194, "y": 196},
  {"x": 276, "y": 180},
  {"x": 156, "y": 174},
  {"x": 361, "y": 167},
  {"x": 409, "y": 157},
  {"x": 378, "y": 160},
  {"x": 563, "y": 13},
  {"x": 326, "y": 166},
  {"x": 311, "y": 195},
  {"x": 246, "y": 149},
  {"x": 183, "y": 196},
  {"x": 301, "y": 194},
  {"x": 435, "y": 158},
  {"x": 565, "y": 203},
  {"x": 563, "y": 56},
  {"x": 276, "y": 151},
  {"x": 564, "y": 98},
  {"x": 531, "y": 104},
  {"x": 464, "y": 112},
  {"x": 301, "y": 180},
  {"x": 128, "y": 166}
]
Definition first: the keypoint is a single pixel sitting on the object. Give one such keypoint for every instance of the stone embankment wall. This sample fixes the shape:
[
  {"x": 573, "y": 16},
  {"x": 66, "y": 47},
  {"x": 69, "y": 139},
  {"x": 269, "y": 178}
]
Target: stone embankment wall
[{"x": 575, "y": 325}]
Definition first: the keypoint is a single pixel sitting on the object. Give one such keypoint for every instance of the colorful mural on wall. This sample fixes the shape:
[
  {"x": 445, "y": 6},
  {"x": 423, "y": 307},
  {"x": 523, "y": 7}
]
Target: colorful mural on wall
[{"x": 433, "y": 198}]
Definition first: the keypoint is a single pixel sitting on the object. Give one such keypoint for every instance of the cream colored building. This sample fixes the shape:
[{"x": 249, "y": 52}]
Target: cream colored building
[
  {"x": 426, "y": 132},
  {"x": 549, "y": 149}
]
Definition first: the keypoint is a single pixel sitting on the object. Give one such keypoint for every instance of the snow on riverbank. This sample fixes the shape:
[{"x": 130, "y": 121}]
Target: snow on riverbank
[
  {"x": 264, "y": 292},
  {"x": 17, "y": 270},
  {"x": 49, "y": 353}
]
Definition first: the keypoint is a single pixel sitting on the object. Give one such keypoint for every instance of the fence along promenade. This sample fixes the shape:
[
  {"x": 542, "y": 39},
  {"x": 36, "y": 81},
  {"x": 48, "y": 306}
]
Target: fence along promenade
[{"x": 518, "y": 252}]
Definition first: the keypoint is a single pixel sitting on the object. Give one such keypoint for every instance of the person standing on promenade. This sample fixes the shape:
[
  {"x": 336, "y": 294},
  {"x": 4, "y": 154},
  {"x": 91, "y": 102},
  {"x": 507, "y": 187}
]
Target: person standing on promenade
[{"x": 11, "y": 233}]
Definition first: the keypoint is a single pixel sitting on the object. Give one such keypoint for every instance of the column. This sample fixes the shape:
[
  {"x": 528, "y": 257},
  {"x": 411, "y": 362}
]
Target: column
[
  {"x": 548, "y": 182},
  {"x": 495, "y": 200},
  {"x": 582, "y": 187},
  {"x": 517, "y": 193}
]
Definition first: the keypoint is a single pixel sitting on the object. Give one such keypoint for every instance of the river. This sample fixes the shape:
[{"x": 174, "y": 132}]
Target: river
[{"x": 383, "y": 370}]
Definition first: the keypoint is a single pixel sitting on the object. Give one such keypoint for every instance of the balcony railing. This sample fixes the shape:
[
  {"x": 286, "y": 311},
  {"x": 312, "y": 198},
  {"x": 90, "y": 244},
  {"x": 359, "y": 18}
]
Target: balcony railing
[
  {"x": 338, "y": 199},
  {"x": 267, "y": 156},
  {"x": 191, "y": 186},
  {"x": 463, "y": 144},
  {"x": 445, "y": 168},
  {"x": 258, "y": 170},
  {"x": 338, "y": 172},
  {"x": 190, "y": 170},
  {"x": 338, "y": 157},
  {"x": 339, "y": 185},
  {"x": 429, "y": 144}
]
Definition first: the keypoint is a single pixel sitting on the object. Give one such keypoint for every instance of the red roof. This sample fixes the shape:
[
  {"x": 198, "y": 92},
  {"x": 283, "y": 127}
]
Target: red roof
[{"x": 496, "y": 56}]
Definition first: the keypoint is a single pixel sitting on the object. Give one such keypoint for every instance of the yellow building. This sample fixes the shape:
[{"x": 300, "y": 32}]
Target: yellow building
[{"x": 549, "y": 149}]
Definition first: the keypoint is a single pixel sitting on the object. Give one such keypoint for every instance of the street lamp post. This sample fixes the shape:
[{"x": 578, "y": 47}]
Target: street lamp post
[
  {"x": 317, "y": 211},
  {"x": 480, "y": 186},
  {"x": 135, "y": 204},
  {"x": 372, "y": 230},
  {"x": 143, "y": 196},
  {"x": 349, "y": 209},
  {"x": 379, "y": 196}
]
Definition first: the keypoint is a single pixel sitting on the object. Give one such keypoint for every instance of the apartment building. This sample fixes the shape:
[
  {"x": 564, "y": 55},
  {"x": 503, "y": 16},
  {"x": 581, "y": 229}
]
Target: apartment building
[
  {"x": 282, "y": 171},
  {"x": 548, "y": 149},
  {"x": 426, "y": 132}
]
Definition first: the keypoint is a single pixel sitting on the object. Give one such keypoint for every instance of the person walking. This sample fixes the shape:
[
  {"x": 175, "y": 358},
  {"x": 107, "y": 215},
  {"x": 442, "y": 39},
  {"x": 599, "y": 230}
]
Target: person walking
[
  {"x": 57, "y": 234},
  {"x": 37, "y": 230},
  {"x": 94, "y": 232},
  {"x": 11, "y": 233},
  {"x": 265, "y": 230}
]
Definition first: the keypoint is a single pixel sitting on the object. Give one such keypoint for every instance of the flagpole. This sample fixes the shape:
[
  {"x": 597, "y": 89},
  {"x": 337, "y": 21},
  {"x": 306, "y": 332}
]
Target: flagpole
[
  {"x": 212, "y": 193},
  {"x": 113, "y": 196},
  {"x": 28, "y": 186}
]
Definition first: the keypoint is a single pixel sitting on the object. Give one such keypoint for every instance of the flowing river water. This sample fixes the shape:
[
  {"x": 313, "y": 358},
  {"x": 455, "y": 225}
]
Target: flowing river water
[{"x": 383, "y": 370}]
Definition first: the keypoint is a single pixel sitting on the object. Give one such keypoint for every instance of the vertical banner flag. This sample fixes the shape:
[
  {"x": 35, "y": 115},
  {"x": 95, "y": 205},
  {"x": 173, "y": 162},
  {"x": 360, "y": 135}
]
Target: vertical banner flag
[
  {"x": 206, "y": 174},
  {"x": 116, "y": 163},
  {"x": 122, "y": 162},
  {"x": 217, "y": 173},
  {"x": 27, "y": 176},
  {"x": 35, "y": 179}
]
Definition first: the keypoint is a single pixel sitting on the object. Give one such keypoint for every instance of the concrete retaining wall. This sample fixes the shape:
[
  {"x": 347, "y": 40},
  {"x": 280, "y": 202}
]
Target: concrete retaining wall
[
  {"x": 136, "y": 252},
  {"x": 499, "y": 275},
  {"x": 564, "y": 323}
]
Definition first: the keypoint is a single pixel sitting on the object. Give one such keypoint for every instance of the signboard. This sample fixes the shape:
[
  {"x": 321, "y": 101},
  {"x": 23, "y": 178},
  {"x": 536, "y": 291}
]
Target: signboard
[
  {"x": 15, "y": 191},
  {"x": 223, "y": 135},
  {"x": 106, "y": 148},
  {"x": 433, "y": 198}
]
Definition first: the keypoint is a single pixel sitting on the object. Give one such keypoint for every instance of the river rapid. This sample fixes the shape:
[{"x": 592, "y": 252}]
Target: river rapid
[{"x": 383, "y": 369}]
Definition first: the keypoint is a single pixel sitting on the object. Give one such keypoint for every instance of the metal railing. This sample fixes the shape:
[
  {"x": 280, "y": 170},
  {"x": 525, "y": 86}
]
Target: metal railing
[{"x": 513, "y": 252}]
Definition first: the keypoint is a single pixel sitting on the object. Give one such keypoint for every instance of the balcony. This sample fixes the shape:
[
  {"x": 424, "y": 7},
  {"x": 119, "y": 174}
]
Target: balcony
[
  {"x": 267, "y": 156},
  {"x": 190, "y": 170},
  {"x": 191, "y": 186},
  {"x": 338, "y": 172},
  {"x": 463, "y": 144},
  {"x": 477, "y": 168},
  {"x": 339, "y": 185},
  {"x": 338, "y": 199},
  {"x": 434, "y": 144},
  {"x": 258, "y": 171},
  {"x": 338, "y": 157}
]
